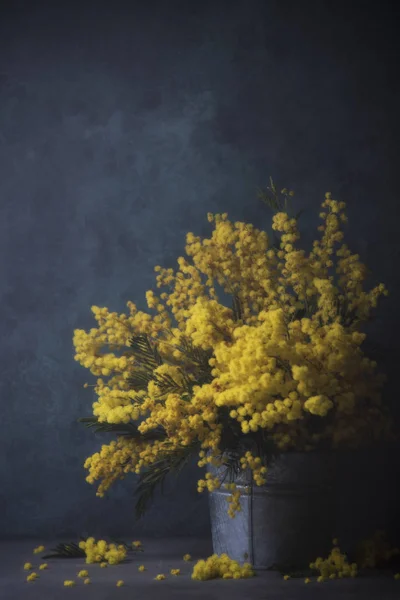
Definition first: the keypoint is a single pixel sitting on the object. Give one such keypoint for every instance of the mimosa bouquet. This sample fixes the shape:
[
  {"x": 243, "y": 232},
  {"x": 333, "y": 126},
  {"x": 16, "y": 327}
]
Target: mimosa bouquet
[{"x": 279, "y": 367}]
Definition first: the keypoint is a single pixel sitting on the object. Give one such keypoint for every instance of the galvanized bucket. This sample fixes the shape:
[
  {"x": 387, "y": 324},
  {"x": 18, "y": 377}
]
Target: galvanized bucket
[{"x": 288, "y": 522}]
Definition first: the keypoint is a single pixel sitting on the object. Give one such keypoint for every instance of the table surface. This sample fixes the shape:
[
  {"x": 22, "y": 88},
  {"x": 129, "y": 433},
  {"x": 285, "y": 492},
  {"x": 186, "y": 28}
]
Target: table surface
[{"x": 160, "y": 556}]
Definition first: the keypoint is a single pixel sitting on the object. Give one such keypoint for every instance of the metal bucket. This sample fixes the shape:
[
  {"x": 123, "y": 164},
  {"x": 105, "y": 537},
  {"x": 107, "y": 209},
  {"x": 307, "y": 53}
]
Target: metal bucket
[{"x": 288, "y": 522}]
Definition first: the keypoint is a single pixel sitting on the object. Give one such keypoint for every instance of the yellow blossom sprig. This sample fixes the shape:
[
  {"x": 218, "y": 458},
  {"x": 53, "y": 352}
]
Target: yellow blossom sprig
[
  {"x": 102, "y": 552},
  {"x": 38, "y": 550},
  {"x": 335, "y": 565}
]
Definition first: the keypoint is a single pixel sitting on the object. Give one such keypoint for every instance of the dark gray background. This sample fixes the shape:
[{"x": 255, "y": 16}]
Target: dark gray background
[{"x": 120, "y": 128}]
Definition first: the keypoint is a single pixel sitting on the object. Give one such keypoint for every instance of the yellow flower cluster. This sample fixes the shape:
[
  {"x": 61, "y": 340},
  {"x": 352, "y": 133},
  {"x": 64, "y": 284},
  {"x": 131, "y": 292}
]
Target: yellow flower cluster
[
  {"x": 28, "y": 566},
  {"x": 318, "y": 405},
  {"x": 374, "y": 551},
  {"x": 32, "y": 577},
  {"x": 221, "y": 566},
  {"x": 160, "y": 577},
  {"x": 175, "y": 571},
  {"x": 69, "y": 583},
  {"x": 275, "y": 375},
  {"x": 43, "y": 566},
  {"x": 290, "y": 353},
  {"x": 38, "y": 550},
  {"x": 101, "y": 552},
  {"x": 211, "y": 482},
  {"x": 83, "y": 573},
  {"x": 256, "y": 466},
  {"x": 141, "y": 568},
  {"x": 335, "y": 565},
  {"x": 233, "y": 499}
]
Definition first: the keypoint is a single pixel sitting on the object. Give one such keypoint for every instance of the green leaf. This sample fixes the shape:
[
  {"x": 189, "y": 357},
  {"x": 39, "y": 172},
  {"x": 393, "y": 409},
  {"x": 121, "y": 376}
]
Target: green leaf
[
  {"x": 120, "y": 428},
  {"x": 129, "y": 429},
  {"x": 231, "y": 461},
  {"x": 71, "y": 550},
  {"x": 269, "y": 200},
  {"x": 237, "y": 308},
  {"x": 167, "y": 385},
  {"x": 146, "y": 355},
  {"x": 140, "y": 379},
  {"x": 155, "y": 475},
  {"x": 273, "y": 188},
  {"x": 195, "y": 355},
  {"x": 189, "y": 383}
]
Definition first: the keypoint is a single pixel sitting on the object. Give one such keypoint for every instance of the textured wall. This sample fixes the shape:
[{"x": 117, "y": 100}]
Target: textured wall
[{"x": 119, "y": 130}]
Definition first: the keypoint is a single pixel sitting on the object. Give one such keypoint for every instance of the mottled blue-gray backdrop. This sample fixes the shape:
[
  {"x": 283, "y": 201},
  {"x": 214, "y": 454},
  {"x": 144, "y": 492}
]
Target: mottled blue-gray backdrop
[{"x": 120, "y": 128}]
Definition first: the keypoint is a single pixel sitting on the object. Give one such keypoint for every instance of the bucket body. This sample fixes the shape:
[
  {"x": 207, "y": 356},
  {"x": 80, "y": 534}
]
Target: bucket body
[{"x": 287, "y": 522}]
